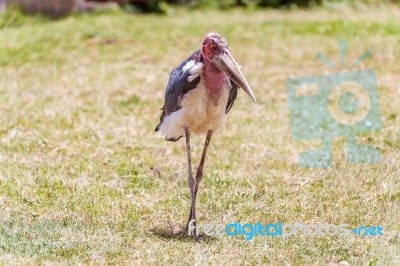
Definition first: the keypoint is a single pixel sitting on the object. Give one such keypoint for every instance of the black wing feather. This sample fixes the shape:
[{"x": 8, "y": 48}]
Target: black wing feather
[
  {"x": 232, "y": 96},
  {"x": 178, "y": 86}
]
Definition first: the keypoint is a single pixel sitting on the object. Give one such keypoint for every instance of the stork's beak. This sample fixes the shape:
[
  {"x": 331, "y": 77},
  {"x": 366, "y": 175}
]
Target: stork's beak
[{"x": 227, "y": 63}]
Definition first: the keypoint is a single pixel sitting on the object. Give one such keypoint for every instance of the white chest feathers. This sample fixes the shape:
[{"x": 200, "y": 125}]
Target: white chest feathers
[{"x": 200, "y": 112}]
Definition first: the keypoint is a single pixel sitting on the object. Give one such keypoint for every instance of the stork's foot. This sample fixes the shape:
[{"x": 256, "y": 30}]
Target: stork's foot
[
  {"x": 193, "y": 232},
  {"x": 191, "y": 228}
]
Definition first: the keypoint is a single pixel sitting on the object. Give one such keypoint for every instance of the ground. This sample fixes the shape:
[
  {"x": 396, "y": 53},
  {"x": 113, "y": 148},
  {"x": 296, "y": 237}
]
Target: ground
[{"x": 84, "y": 178}]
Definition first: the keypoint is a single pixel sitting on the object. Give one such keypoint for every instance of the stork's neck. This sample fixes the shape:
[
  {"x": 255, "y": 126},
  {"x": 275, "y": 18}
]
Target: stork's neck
[{"x": 214, "y": 79}]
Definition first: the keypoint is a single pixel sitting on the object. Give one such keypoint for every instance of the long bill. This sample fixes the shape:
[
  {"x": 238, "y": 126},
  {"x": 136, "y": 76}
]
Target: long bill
[{"x": 227, "y": 63}]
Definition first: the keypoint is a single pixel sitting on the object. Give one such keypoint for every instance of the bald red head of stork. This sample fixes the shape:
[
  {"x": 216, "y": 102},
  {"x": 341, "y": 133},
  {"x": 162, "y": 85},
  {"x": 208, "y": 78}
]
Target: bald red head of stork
[
  {"x": 216, "y": 53},
  {"x": 199, "y": 94}
]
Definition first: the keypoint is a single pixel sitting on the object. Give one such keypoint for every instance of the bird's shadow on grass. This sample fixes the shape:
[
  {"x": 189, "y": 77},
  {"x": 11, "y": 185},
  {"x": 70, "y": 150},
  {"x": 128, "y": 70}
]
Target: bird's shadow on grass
[{"x": 181, "y": 235}]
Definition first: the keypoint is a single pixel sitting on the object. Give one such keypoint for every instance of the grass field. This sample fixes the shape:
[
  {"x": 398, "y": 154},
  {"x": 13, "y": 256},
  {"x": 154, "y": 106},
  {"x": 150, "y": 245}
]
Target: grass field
[{"x": 84, "y": 179}]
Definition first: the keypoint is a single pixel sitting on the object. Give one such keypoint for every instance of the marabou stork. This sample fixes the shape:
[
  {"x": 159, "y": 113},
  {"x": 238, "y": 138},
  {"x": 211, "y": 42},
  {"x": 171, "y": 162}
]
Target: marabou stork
[{"x": 200, "y": 92}]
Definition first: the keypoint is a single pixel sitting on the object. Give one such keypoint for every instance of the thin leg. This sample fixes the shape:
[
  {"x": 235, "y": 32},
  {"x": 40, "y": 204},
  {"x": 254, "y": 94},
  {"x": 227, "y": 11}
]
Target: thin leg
[
  {"x": 199, "y": 172},
  {"x": 191, "y": 182}
]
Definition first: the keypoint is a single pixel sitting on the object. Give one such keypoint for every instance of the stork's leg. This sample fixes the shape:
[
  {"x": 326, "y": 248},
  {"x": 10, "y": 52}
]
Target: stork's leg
[
  {"x": 191, "y": 182},
  {"x": 199, "y": 172}
]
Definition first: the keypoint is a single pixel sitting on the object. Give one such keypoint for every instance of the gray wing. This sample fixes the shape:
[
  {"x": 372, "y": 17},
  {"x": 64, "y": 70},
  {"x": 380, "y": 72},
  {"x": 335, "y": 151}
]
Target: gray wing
[
  {"x": 178, "y": 86},
  {"x": 232, "y": 96}
]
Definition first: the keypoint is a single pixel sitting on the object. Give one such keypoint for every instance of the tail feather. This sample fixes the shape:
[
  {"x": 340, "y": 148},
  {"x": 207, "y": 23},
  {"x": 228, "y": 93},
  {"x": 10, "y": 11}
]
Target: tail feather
[
  {"x": 158, "y": 128},
  {"x": 161, "y": 119}
]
